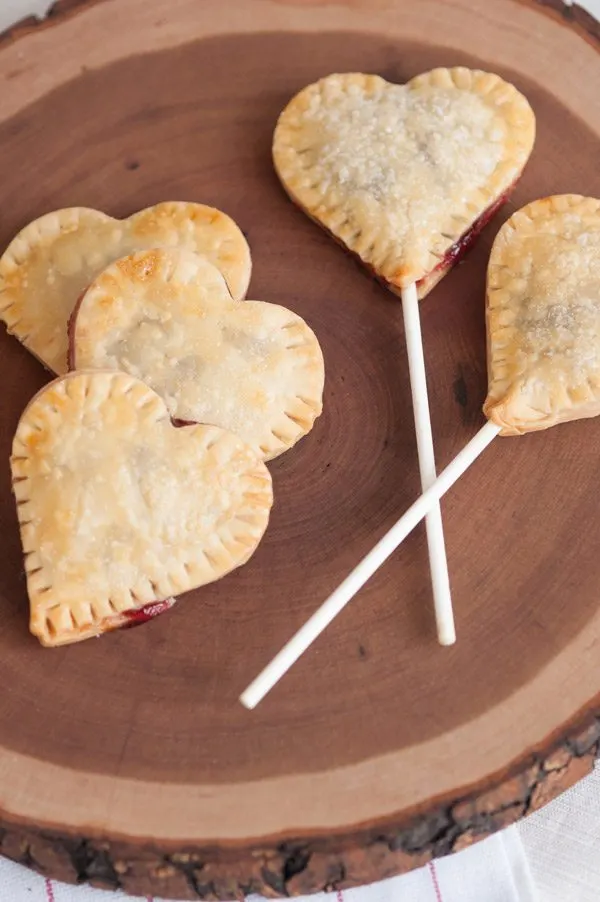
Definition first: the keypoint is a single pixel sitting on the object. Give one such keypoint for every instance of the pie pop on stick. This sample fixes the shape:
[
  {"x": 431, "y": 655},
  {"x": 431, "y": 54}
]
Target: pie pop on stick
[
  {"x": 543, "y": 327},
  {"x": 405, "y": 177}
]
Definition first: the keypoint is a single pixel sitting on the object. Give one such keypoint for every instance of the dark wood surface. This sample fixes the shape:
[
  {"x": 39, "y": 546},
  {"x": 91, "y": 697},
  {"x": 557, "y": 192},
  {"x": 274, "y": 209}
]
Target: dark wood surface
[{"x": 128, "y": 761}]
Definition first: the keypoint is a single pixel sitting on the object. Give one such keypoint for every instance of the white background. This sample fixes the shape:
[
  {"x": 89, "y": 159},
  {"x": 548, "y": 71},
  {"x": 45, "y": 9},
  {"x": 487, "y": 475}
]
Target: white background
[{"x": 12, "y": 10}]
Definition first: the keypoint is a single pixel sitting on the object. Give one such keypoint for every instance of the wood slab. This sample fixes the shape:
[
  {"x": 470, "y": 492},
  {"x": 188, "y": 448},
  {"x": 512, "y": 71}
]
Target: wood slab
[{"x": 127, "y": 761}]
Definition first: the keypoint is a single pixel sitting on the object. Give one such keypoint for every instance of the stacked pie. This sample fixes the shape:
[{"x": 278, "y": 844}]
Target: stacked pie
[{"x": 139, "y": 473}]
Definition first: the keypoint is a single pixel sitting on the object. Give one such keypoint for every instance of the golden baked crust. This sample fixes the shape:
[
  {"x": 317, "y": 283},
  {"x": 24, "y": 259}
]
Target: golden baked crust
[
  {"x": 543, "y": 315},
  {"x": 118, "y": 508},
  {"x": 166, "y": 317},
  {"x": 398, "y": 173},
  {"x": 51, "y": 261}
]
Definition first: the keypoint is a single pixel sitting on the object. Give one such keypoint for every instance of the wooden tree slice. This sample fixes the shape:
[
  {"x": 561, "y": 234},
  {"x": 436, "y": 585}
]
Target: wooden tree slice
[{"x": 128, "y": 762}]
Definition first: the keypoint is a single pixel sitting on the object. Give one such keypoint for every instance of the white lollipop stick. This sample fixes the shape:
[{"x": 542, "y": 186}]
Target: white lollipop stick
[
  {"x": 338, "y": 600},
  {"x": 438, "y": 563}
]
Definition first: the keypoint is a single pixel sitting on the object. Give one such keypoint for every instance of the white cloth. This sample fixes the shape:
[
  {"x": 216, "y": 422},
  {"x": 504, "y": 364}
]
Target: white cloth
[{"x": 562, "y": 843}]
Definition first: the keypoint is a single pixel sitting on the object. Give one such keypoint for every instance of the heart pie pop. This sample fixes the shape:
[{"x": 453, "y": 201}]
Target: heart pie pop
[
  {"x": 543, "y": 315},
  {"x": 404, "y": 176},
  {"x": 119, "y": 508},
  {"x": 52, "y": 260},
  {"x": 166, "y": 316}
]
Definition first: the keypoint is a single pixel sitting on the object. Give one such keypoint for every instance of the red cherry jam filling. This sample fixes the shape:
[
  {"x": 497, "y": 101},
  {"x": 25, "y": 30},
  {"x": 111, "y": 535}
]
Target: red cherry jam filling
[
  {"x": 457, "y": 251},
  {"x": 148, "y": 612}
]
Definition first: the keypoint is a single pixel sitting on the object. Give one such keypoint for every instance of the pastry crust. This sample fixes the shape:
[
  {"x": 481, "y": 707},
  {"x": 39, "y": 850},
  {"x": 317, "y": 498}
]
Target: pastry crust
[
  {"x": 51, "y": 261},
  {"x": 165, "y": 316},
  {"x": 399, "y": 173},
  {"x": 543, "y": 315},
  {"x": 118, "y": 508}
]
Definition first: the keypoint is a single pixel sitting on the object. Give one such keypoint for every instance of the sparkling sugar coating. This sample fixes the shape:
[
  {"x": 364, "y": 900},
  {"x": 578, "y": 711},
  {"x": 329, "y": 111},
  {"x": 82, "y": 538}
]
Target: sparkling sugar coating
[
  {"x": 399, "y": 173},
  {"x": 544, "y": 314},
  {"x": 359, "y": 151}
]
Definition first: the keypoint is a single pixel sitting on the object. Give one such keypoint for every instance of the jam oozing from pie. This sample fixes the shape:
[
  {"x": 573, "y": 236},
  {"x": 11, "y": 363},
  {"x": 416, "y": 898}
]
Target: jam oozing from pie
[
  {"x": 453, "y": 255},
  {"x": 456, "y": 252},
  {"x": 148, "y": 612}
]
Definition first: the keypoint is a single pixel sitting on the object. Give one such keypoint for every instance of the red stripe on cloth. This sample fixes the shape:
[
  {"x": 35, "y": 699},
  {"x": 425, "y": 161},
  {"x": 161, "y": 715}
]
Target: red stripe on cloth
[
  {"x": 434, "y": 880},
  {"x": 49, "y": 891},
  {"x": 339, "y": 896}
]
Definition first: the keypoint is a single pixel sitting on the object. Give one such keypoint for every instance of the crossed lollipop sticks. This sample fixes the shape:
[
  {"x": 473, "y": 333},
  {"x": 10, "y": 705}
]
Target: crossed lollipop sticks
[{"x": 543, "y": 364}]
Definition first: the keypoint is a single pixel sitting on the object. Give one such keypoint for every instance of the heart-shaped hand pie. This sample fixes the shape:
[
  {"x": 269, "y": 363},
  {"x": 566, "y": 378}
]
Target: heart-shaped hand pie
[
  {"x": 404, "y": 176},
  {"x": 165, "y": 316},
  {"x": 543, "y": 315},
  {"x": 47, "y": 266},
  {"x": 119, "y": 508}
]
